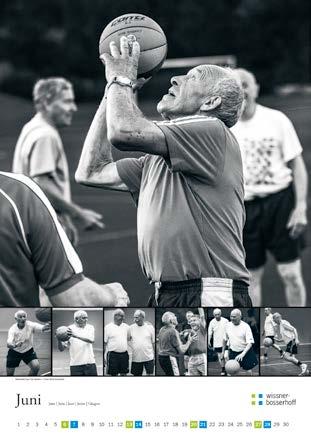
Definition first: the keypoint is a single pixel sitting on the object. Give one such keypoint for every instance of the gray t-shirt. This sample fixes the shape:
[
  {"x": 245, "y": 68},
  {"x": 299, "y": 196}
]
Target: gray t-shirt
[{"x": 190, "y": 207}]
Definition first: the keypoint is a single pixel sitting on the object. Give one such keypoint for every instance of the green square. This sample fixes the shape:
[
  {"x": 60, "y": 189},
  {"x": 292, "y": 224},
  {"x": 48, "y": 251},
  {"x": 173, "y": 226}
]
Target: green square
[
  {"x": 253, "y": 395},
  {"x": 65, "y": 424},
  {"x": 129, "y": 424},
  {"x": 253, "y": 403},
  {"x": 193, "y": 424},
  {"x": 258, "y": 424}
]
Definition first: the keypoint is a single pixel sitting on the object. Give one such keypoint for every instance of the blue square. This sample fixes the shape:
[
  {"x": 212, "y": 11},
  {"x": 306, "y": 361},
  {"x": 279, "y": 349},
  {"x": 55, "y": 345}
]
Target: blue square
[
  {"x": 202, "y": 424},
  {"x": 260, "y": 403},
  {"x": 267, "y": 424},
  {"x": 260, "y": 395},
  {"x": 138, "y": 424},
  {"x": 74, "y": 424}
]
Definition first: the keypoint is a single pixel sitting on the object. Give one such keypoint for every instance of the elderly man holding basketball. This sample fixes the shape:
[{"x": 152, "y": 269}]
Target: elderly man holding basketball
[{"x": 188, "y": 186}]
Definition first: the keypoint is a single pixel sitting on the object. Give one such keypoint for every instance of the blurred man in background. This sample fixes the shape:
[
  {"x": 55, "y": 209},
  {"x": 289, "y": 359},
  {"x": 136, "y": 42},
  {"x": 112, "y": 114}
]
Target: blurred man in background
[
  {"x": 268, "y": 330},
  {"x": 197, "y": 364},
  {"x": 40, "y": 154},
  {"x": 276, "y": 183},
  {"x": 80, "y": 345},
  {"x": 190, "y": 213},
  {"x": 20, "y": 343}
]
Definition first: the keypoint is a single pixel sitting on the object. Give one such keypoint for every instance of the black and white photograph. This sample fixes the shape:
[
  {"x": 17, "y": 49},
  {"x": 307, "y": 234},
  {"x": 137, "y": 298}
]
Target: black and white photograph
[
  {"x": 129, "y": 342},
  {"x": 285, "y": 348},
  {"x": 78, "y": 342},
  {"x": 25, "y": 345},
  {"x": 181, "y": 342},
  {"x": 233, "y": 341},
  {"x": 155, "y": 155}
]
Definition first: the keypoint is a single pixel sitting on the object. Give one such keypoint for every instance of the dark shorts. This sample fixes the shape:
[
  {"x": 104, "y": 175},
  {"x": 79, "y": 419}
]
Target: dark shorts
[
  {"x": 188, "y": 294},
  {"x": 292, "y": 348},
  {"x": 14, "y": 358},
  {"x": 169, "y": 365},
  {"x": 219, "y": 349},
  {"x": 117, "y": 363},
  {"x": 87, "y": 369},
  {"x": 137, "y": 368},
  {"x": 266, "y": 229},
  {"x": 250, "y": 359}
]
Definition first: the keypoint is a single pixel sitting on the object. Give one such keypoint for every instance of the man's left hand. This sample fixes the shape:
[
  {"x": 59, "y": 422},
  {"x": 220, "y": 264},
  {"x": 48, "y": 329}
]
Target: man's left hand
[
  {"x": 240, "y": 357},
  {"x": 122, "y": 61},
  {"x": 297, "y": 222}
]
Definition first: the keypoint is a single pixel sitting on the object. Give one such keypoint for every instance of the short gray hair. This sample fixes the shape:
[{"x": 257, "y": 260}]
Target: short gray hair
[
  {"x": 18, "y": 312},
  {"x": 166, "y": 317},
  {"x": 140, "y": 312},
  {"x": 79, "y": 313},
  {"x": 223, "y": 83},
  {"x": 47, "y": 90}
]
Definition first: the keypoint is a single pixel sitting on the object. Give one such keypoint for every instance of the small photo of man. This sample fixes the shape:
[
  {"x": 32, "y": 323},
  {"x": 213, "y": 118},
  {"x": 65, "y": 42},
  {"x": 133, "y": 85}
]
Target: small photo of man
[
  {"x": 233, "y": 341},
  {"x": 129, "y": 337},
  {"x": 78, "y": 342},
  {"x": 25, "y": 342},
  {"x": 181, "y": 342},
  {"x": 285, "y": 341}
]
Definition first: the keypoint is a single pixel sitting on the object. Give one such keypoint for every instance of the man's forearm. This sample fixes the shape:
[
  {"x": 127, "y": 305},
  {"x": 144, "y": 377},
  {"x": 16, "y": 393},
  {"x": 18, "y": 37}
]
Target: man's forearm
[
  {"x": 96, "y": 152},
  {"x": 84, "y": 339},
  {"x": 300, "y": 181},
  {"x": 59, "y": 203}
]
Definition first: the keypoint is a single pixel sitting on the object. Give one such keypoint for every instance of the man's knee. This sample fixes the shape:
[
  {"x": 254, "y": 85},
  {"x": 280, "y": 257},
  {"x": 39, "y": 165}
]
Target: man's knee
[{"x": 291, "y": 272}]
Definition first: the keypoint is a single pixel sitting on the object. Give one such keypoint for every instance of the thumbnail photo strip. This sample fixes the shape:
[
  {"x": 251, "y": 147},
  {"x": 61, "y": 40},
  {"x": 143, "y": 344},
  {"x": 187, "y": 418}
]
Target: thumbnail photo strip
[{"x": 155, "y": 342}]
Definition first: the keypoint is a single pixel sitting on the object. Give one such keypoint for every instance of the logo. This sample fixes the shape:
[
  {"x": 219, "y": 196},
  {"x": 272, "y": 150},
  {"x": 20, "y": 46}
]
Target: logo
[
  {"x": 257, "y": 399},
  {"x": 128, "y": 19}
]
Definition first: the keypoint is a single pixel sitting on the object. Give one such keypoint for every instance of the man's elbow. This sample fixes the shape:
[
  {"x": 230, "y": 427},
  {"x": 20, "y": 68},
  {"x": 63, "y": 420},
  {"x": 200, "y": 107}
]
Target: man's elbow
[
  {"x": 120, "y": 138},
  {"x": 80, "y": 177}
]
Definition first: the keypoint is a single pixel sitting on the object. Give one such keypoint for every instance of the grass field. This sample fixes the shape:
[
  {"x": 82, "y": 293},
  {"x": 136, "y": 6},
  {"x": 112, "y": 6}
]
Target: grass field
[{"x": 111, "y": 255}]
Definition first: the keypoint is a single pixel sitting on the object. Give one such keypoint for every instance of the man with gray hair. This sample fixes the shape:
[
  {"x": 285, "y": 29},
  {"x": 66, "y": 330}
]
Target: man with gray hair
[
  {"x": 116, "y": 336},
  {"x": 20, "y": 343},
  {"x": 189, "y": 184},
  {"x": 141, "y": 345},
  {"x": 276, "y": 185},
  {"x": 40, "y": 154},
  {"x": 239, "y": 338},
  {"x": 169, "y": 345},
  {"x": 80, "y": 345},
  {"x": 216, "y": 333}
]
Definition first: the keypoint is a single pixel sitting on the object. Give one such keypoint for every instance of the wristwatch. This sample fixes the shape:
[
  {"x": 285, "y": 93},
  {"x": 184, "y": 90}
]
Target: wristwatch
[{"x": 122, "y": 81}]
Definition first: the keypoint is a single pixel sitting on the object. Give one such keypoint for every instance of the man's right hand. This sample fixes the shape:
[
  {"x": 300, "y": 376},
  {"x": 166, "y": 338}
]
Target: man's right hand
[{"x": 90, "y": 219}]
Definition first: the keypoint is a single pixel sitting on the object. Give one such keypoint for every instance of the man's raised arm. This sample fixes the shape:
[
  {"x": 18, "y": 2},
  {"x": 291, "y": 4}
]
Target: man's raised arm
[{"x": 96, "y": 166}]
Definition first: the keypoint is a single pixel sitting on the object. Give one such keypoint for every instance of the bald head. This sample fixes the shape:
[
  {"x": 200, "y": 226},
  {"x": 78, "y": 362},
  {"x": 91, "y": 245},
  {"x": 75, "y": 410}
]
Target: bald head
[
  {"x": 20, "y": 314},
  {"x": 235, "y": 316}
]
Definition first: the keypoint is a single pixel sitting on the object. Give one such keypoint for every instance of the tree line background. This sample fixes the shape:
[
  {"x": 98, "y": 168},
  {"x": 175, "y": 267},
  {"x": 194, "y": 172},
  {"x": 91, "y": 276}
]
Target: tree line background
[{"x": 60, "y": 37}]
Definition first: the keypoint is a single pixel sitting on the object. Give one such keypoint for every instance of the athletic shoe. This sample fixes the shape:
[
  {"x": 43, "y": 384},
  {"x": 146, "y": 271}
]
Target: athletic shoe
[
  {"x": 223, "y": 373},
  {"x": 283, "y": 354},
  {"x": 304, "y": 369}
]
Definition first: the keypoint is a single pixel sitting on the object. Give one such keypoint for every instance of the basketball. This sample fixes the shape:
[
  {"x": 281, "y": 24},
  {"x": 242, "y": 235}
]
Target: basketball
[
  {"x": 43, "y": 314},
  {"x": 62, "y": 333},
  {"x": 232, "y": 367},
  {"x": 151, "y": 38},
  {"x": 267, "y": 342}
]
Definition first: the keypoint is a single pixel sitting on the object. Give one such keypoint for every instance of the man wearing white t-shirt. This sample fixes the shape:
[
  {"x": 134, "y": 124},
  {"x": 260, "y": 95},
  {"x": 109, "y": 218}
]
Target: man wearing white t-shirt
[
  {"x": 116, "y": 337},
  {"x": 20, "y": 343},
  {"x": 142, "y": 338},
  {"x": 268, "y": 330},
  {"x": 216, "y": 332},
  {"x": 239, "y": 338},
  {"x": 285, "y": 332},
  {"x": 80, "y": 345},
  {"x": 275, "y": 180}
]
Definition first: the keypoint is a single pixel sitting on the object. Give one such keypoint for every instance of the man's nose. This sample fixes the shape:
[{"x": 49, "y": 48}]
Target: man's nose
[{"x": 175, "y": 80}]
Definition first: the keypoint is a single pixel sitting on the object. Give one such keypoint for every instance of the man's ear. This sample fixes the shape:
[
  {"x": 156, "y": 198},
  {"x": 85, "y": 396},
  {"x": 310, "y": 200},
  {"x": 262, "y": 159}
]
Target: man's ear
[{"x": 210, "y": 104}]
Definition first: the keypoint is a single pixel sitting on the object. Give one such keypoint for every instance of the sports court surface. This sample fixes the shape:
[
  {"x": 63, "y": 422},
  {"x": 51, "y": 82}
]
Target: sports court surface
[
  {"x": 276, "y": 366},
  {"x": 42, "y": 346},
  {"x": 110, "y": 255},
  {"x": 214, "y": 369},
  {"x": 61, "y": 362}
]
